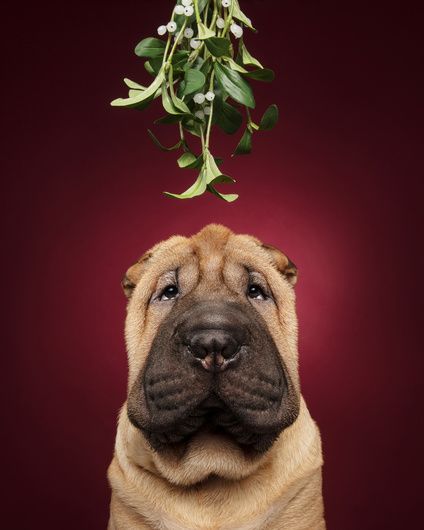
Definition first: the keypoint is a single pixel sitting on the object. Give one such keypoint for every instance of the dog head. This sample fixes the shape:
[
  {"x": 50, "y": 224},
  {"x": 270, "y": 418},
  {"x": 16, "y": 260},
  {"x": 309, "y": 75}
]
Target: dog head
[{"x": 211, "y": 336}]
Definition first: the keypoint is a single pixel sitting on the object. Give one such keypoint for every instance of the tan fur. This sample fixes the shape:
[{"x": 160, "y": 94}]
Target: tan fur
[{"x": 214, "y": 485}]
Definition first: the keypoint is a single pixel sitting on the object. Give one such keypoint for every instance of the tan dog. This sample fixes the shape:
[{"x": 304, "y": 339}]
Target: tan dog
[{"x": 215, "y": 434}]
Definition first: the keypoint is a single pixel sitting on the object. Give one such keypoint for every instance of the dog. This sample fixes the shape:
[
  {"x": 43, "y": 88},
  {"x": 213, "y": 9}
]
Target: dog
[{"x": 215, "y": 434}]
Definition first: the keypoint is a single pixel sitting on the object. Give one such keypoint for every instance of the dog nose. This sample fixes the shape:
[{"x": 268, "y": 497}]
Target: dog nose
[{"x": 215, "y": 349}]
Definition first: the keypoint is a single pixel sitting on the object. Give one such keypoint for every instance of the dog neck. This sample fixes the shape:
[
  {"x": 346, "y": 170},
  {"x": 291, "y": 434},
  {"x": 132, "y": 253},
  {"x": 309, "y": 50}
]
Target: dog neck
[{"x": 179, "y": 495}]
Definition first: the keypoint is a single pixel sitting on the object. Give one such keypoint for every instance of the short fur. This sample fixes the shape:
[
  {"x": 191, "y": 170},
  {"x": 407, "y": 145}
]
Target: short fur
[{"x": 210, "y": 482}]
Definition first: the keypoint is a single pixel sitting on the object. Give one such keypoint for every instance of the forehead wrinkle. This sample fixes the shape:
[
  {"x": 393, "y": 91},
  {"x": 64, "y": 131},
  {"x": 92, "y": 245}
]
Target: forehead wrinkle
[
  {"x": 247, "y": 251},
  {"x": 226, "y": 275},
  {"x": 169, "y": 256},
  {"x": 210, "y": 262}
]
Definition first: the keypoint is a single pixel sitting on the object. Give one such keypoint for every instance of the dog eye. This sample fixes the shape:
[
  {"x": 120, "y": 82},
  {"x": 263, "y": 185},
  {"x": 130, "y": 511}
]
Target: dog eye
[
  {"x": 254, "y": 291},
  {"x": 170, "y": 292}
]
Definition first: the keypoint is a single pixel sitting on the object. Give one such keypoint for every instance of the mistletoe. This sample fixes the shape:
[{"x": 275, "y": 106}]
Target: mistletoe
[{"x": 201, "y": 72}]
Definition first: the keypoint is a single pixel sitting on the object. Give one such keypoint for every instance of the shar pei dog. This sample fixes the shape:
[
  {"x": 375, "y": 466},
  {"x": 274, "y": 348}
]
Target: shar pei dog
[{"x": 215, "y": 434}]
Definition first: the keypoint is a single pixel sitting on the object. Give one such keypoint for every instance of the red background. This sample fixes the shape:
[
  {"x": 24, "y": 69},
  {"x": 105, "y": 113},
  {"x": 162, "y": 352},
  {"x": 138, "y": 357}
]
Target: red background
[{"x": 337, "y": 185}]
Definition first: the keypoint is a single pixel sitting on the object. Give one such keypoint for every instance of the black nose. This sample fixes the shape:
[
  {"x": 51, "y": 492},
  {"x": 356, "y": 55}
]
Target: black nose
[{"x": 215, "y": 349}]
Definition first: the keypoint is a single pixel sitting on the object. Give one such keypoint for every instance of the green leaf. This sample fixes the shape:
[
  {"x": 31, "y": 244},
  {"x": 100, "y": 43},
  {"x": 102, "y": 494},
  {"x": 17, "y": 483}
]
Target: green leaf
[
  {"x": 179, "y": 104},
  {"x": 180, "y": 89},
  {"x": 161, "y": 146},
  {"x": 206, "y": 66},
  {"x": 192, "y": 127},
  {"x": 169, "y": 119},
  {"x": 143, "y": 97},
  {"x": 149, "y": 69},
  {"x": 231, "y": 197},
  {"x": 234, "y": 85},
  {"x": 186, "y": 160},
  {"x": 269, "y": 119},
  {"x": 208, "y": 177},
  {"x": 198, "y": 188},
  {"x": 227, "y": 117},
  {"x": 194, "y": 81},
  {"x": 245, "y": 145},
  {"x": 202, "y": 4},
  {"x": 248, "y": 59},
  {"x": 196, "y": 164},
  {"x": 222, "y": 178},
  {"x": 156, "y": 64},
  {"x": 218, "y": 46},
  {"x": 133, "y": 84},
  {"x": 211, "y": 169},
  {"x": 204, "y": 32},
  {"x": 263, "y": 74},
  {"x": 179, "y": 60},
  {"x": 239, "y": 15},
  {"x": 167, "y": 101},
  {"x": 150, "y": 47},
  {"x": 213, "y": 174},
  {"x": 136, "y": 89},
  {"x": 234, "y": 66},
  {"x": 132, "y": 93}
]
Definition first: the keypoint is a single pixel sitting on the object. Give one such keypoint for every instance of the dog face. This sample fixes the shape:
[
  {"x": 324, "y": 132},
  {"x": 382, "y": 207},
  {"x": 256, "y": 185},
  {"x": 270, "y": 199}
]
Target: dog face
[{"x": 212, "y": 343}]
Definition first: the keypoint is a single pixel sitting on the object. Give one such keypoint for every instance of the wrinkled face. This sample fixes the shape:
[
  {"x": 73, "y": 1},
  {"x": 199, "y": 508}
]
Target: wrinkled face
[{"x": 211, "y": 336}]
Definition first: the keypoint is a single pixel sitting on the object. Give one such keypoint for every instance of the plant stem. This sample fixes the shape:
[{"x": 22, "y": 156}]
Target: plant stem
[
  {"x": 171, "y": 82},
  {"x": 214, "y": 16},
  {"x": 208, "y": 131},
  {"x": 182, "y": 137},
  {"x": 168, "y": 62},
  {"x": 166, "y": 49},
  {"x": 196, "y": 9},
  {"x": 202, "y": 137},
  {"x": 251, "y": 125},
  {"x": 228, "y": 20},
  {"x": 168, "y": 42}
]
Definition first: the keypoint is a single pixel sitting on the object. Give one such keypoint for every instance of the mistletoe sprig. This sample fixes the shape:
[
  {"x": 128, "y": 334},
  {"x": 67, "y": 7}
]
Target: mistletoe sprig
[{"x": 201, "y": 73}]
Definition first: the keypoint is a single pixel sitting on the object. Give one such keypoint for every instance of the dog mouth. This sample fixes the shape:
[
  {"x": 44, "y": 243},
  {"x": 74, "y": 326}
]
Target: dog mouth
[{"x": 212, "y": 417}]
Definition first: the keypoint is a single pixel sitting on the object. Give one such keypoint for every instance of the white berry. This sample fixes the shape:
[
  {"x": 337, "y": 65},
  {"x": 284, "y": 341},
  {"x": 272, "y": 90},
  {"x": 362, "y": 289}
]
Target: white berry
[
  {"x": 210, "y": 96},
  {"x": 199, "y": 114},
  {"x": 171, "y": 27},
  {"x": 179, "y": 10},
  {"x": 161, "y": 30},
  {"x": 195, "y": 43},
  {"x": 207, "y": 111},
  {"x": 188, "y": 11},
  {"x": 236, "y": 30},
  {"x": 199, "y": 98},
  {"x": 220, "y": 23},
  {"x": 188, "y": 33},
  {"x": 226, "y": 3},
  {"x": 187, "y": 3}
]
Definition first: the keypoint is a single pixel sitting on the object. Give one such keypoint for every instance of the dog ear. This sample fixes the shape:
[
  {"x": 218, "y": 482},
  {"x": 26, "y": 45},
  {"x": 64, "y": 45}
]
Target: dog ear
[
  {"x": 287, "y": 268},
  {"x": 133, "y": 275}
]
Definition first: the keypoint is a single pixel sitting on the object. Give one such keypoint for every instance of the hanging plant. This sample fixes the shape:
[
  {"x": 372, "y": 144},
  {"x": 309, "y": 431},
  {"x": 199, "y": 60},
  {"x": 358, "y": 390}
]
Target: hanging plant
[{"x": 201, "y": 72}]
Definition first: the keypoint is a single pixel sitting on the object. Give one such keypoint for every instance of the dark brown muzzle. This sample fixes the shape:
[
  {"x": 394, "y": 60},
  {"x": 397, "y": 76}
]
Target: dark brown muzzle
[{"x": 213, "y": 365}]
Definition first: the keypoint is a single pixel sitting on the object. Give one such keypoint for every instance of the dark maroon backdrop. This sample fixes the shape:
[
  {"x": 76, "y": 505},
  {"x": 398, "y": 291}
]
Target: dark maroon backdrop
[{"x": 337, "y": 185}]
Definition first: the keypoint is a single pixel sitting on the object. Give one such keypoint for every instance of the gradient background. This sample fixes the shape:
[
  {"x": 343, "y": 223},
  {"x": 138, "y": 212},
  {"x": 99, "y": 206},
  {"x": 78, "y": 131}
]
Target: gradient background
[{"x": 337, "y": 185}]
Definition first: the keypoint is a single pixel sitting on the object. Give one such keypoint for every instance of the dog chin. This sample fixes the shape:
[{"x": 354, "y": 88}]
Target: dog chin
[{"x": 205, "y": 456}]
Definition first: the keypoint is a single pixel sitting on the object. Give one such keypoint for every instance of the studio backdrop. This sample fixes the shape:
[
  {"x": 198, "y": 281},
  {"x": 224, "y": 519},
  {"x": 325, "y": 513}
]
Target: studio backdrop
[{"x": 336, "y": 185}]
